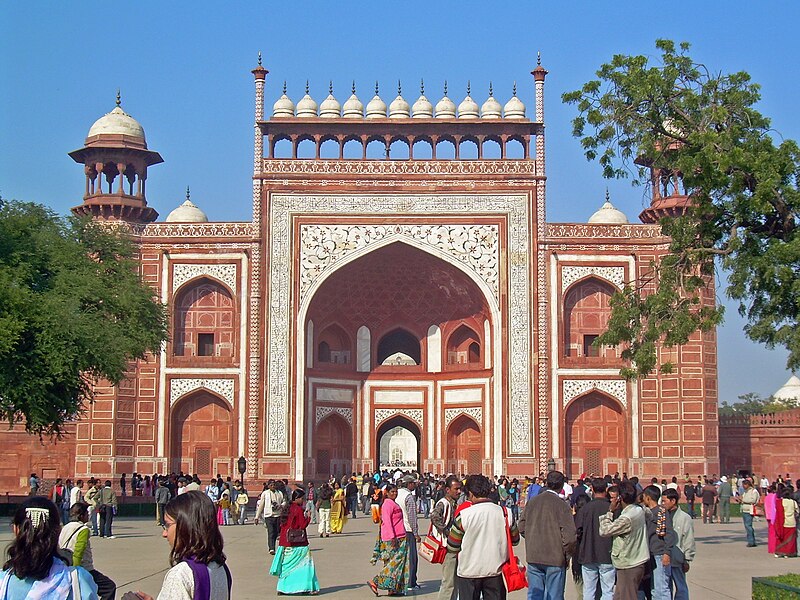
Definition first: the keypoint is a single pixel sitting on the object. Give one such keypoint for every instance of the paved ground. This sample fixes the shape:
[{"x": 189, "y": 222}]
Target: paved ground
[{"x": 138, "y": 559}]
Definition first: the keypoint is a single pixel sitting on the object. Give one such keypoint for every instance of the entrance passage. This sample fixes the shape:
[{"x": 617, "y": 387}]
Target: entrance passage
[
  {"x": 333, "y": 441},
  {"x": 464, "y": 448},
  {"x": 202, "y": 436},
  {"x": 398, "y": 445}
]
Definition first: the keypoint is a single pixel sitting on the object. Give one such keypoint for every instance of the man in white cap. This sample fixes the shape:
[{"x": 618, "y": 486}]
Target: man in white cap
[
  {"x": 408, "y": 504},
  {"x": 725, "y": 493}
]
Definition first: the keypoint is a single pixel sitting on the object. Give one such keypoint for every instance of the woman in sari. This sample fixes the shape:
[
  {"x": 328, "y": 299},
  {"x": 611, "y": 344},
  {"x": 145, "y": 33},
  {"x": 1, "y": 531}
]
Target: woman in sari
[
  {"x": 769, "y": 513},
  {"x": 785, "y": 525},
  {"x": 391, "y": 548},
  {"x": 337, "y": 509},
  {"x": 292, "y": 563}
]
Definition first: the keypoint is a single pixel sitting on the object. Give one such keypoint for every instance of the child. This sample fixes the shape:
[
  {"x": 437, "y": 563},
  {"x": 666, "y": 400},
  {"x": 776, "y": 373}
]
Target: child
[{"x": 225, "y": 507}]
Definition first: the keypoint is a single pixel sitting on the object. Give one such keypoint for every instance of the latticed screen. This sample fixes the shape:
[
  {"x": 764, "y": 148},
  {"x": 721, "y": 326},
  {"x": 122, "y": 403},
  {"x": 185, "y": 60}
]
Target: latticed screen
[
  {"x": 202, "y": 460},
  {"x": 474, "y": 461},
  {"x": 593, "y": 462}
]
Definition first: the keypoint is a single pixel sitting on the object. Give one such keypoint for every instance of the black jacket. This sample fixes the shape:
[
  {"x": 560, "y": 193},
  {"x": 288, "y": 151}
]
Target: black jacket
[{"x": 592, "y": 548}]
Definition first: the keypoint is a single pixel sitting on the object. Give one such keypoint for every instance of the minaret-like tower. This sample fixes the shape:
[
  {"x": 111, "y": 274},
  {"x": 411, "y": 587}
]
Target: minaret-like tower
[
  {"x": 669, "y": 196},
  {"x": 115, "y": 159}
]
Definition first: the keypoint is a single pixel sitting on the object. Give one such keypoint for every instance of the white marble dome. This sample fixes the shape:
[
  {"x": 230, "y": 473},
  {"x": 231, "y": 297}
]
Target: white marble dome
[
  {"x": 376, "y": 108},
  {"x": 330, "y": 107},
  {"x": 187, "y": 212},
  {"x": 117, "y": 122},
  {"x": 468, "y": 109},
  {"x": 353, "y": 108},
  {"x": 307, "y": 107},
  {"x": 283, "y": 107},
  {"x": 491, "y": 109},
  {"x": 422, "y": 108},
  {"x": 608, "y": 215},
  {"x": 445, "y": 108},
  {"x": 399, "y": 108},
  {"x": 514, "y": 108},
  {"x": 790, "y": 390}
]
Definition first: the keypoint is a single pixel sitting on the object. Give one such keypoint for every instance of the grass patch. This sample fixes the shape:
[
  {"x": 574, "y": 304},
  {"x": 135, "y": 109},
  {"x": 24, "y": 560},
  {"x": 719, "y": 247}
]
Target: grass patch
[{"x": 778, "y": 587}]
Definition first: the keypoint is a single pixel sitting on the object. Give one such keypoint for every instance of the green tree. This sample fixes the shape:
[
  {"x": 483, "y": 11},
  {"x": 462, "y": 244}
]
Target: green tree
[
  {"x": 753, "y": 404},
  {"x": 674, "y": 114},
  {"x": 73, "y": 310}
]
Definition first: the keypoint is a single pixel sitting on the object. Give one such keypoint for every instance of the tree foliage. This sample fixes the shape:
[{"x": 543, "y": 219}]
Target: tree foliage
[
  {"x": 675, "y": 114},
  {"x": 753, "y": 404},
  {"x": 73, "y": 310}
]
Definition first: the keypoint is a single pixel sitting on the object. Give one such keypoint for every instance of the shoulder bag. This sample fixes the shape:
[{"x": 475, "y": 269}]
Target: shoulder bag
[
  {"x": 514, "y": 572},
  {"x": 432, "y": 549}
]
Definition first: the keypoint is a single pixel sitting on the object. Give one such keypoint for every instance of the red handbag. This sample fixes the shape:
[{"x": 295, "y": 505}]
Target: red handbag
[
  {"x": 431, "y": 549},
  {"x": 514, "y": 572}
]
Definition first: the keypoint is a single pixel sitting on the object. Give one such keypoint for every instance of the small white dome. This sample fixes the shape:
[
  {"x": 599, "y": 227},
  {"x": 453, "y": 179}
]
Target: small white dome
[
  {"x": 117, "y": 122},
  {"x": 307, "y": 107},
  {"x": 283, "y": 107},
  {"x": 790, "y": 390},
  {"x": 491, "y": 109},
  {"x": 187, "y": 213},
  {"x": 468, "y": 109},
  {"x": 514, "y": 108},
  {"x": 330, "y": 107},
  {"x": 399, "y": 108},
  {"x": 608, "y": 215},
  {"x": 353, "y": 108},
  {"x": 422, "y": 108},
  {"x": 376, "y": 108},
  {"x": 445, "y": 108}
]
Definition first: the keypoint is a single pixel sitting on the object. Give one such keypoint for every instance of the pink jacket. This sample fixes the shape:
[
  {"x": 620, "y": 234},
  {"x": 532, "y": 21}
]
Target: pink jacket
[{"x": 391, "y": 521}]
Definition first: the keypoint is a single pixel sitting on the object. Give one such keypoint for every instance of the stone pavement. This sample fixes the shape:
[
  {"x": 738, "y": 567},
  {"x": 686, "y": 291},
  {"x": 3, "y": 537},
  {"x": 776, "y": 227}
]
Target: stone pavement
[{"x": 138, "y": 559}]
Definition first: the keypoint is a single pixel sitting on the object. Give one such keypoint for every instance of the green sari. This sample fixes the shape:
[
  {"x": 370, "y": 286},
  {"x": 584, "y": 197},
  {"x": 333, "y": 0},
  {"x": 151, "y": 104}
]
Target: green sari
[{"x": 295, "y": 570}]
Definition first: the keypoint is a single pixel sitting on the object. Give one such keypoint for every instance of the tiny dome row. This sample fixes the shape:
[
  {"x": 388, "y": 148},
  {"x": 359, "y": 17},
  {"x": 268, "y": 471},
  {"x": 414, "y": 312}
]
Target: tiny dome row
[{"x": 399, "y": 108}]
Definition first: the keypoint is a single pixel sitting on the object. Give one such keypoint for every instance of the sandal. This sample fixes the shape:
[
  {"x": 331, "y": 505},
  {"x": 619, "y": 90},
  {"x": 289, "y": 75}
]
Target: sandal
[{"x": 373, "y": 587}]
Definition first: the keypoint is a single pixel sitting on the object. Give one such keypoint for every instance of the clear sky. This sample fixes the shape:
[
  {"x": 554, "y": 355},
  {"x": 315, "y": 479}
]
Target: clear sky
[{"x": 184, "y": 72}]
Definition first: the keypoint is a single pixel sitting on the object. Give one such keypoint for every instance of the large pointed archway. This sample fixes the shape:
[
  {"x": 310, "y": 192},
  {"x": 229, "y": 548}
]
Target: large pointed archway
[
  {"x": 398, "y": 444},
  {"x": 201, "y": 436},
  {"x": 596, "y": 435}
]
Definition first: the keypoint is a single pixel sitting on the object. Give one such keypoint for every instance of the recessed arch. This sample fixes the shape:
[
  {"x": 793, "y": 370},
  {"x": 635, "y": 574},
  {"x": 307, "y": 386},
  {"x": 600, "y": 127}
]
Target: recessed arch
[
  {"x": 596, "y": 439},
  {"x": 464, "y": 446},
  {"x": 201, "y": 435},
  {"x": 397, "y": 347},
  {"x": 333, "y": 446},
  {"x": 334, "y": 346},
  {"x": 383, "y": 447},
  {"x": 204, "y": 320},
  {"x": 460, "y": 346},
  {"x": 586, "y": 312}
]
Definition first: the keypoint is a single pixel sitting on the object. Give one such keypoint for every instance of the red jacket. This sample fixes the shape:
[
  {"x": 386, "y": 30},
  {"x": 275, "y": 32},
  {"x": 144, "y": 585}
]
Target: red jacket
[{"x": 296, "y": 520}]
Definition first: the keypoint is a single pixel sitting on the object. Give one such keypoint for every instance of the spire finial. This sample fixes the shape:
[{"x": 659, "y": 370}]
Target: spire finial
[
  {"x": 445, "y": 87},
  {"x": 607, "y": 195},
  {"x": 188, "y": 196},
  {"x": 376, "y": 87},
  {"x": 284, "y": 87},
  {"x": 491, "y": 91},
  {"x": 399, "y": 88},
  {"x": 259, "y": 58},
  {"x": 539, "y": 59},
  {"x": 330, "y": 87},
  {"x": 306, "y": 87},
  {"x": 421, "y": 87},
  {"x": 119, "y": 98},
  {"x": 468, "y": 87},
  {"x": 515, "y": 89},
  {"x": 354, "y": 87}
]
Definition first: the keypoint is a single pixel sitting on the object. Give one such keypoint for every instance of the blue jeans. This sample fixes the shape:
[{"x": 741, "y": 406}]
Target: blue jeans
[
  {"x": 606, "y": 574},
  {"x": 411, "y": 543},
  {"x": 660, "y": 580},
  {"x": 748, "y": 527},
  {"x": 678, "y": 583},
  {"x": 352, "y": 506},
  {"x": 546, "y": 582}
]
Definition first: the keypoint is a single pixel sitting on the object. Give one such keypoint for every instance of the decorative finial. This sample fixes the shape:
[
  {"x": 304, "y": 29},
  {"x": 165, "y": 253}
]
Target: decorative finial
[
  {"x": 376, "y": 87},
  {"x": 399, "y": 88},
  {"x": 259, "y": 58},
  {"x": 188, "y": 195},
  {"x": 468, "y": 88},
  {"x": 491, "y": 92},
  {"x": 607, "y": 196},
  {"x": 354, "y": 87},
  {"x": 515, "y": 89},
  {"x": 538, "y": 59},
  {"x": 306, "y": 87},
  {"x": 421, "y": 87},
  {"x": 119, "y": 98},
  {"x": 445, "y": 87},
  {"x": 330, "y": 87},
  {"x": 284, "y": 87}
]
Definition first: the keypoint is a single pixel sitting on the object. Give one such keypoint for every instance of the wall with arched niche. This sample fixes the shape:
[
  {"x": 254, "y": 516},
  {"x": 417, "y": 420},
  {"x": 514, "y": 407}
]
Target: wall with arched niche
[
  {"x": 204, "y": 322},
  {"x": 587, "y": 310}
]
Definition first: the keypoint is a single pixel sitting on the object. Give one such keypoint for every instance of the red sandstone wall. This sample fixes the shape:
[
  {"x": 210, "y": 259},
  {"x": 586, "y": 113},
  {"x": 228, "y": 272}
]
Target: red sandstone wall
[
  {"x": 24, "y": 454},
  {"x": 764, "y": 444}
]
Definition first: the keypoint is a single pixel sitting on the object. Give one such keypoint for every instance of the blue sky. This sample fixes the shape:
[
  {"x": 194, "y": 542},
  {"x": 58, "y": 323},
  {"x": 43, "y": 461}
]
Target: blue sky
[{"x": 184, "y": 72}]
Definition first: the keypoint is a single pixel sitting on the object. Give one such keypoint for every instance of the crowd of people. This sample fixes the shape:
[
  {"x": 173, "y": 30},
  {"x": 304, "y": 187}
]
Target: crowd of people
[{"x": 616, "y": 536}]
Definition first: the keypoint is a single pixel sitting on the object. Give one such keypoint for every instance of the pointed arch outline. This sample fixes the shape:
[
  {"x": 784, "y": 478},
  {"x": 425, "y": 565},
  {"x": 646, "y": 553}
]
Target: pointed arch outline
[
  {"x": 631, "y": 439},
  {"x": 181, "y": 388}
]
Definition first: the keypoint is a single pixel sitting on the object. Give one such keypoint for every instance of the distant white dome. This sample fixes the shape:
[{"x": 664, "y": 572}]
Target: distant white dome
[
  {"x": 608, "y": 215},
  {"x": 491, "y": 109},
  {"x": 353, "y": 108},
  {"x": 283, "y": 107},
  {"x": 468, "y": 109},
  {"x": 330, "y": 107},
  {"x": 399, "y": 108},
  {"x": 307, "y": 107},
  {"x": 514, "y": 108},
  {"x": 422, "y": 108},
  {"x": 790, "y": 390},
  {"x": 117, "y": 122},
  {"x": 376, "y": 108},
  {"x": 187, "y": 212},
  {"x": 445, "y": 108}
]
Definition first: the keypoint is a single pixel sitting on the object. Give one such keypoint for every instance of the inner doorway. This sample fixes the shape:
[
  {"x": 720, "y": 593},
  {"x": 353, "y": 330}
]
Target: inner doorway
[
  {"x": 333, "y": 441},
  {"x": 398, "y": 445},
  {"x": 202, "y": 436},
  {"x": 464, "y": 447}
]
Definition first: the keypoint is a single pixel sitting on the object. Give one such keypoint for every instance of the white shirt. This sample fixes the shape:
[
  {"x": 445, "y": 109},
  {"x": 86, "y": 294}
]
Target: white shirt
[
  {"x": 75, "y": 496},
  {"x": 179, "y": 583}
]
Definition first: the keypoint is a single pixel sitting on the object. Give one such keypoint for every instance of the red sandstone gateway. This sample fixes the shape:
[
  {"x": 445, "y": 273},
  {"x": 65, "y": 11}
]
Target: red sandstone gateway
[{"x": 398, "y": 298}]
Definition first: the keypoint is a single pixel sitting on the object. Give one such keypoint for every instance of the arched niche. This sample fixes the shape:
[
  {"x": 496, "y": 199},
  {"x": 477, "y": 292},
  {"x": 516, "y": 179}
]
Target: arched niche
[
  {"x": 399, "y": 347},
  {"x": 202, "y": 435},
  {"x": 464, "y": 446},
  {"x": 333, "y": 347},
  {"x": 596, "y": 439},
  {"x": 464, "y": 347},
  {"x": 399, "y": 426},
  {"x": 204, "y": 320},
  {"x": 587, "y": 310},
  {"x": 333, "y": 447}
]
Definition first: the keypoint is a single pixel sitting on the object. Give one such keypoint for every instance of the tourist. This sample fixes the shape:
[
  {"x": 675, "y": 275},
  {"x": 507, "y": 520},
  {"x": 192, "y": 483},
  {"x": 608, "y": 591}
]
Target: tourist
[
  {"x": 659, "y": 540},
  {"x": 59, "y": 494},
  {"x": 34, "y": 483},
  {"x": 196, "y": 555},
  {"x": 270, "y": 505},
  {"x": 76, "y": 493},
  {"x": 375, "y": 502},
  {"x": 479, "y": 537},
  {"x": 324, "y": 509},
  {"x": 683, "y": 548},
  {"x": 550, "y": 537},
  {"x": 74, "y": 538},
  {"x": 293, "y": 564},
  {"x": 123, "y": 485},
  {"x": 338, "y": 509},
  {"x": 785, "y": 525},
  {"x": 91, "y": 498},
  {"x": 709, "y": 495},
  {"x": 408, "y": 504},
  {"x": 163, "y": 496},
  {"x": 311, "y": 502},
  {"x": 769, "y": 514},
  {"x": 689, "y": 494},
  {"x": 351, "y": 498},
  {"x": 242, "y": 500},
  {"x": 391, "y": 548},
  {"x": 33, "y": 568},
  {"x": 629, "y": 551},
  {"x": 442, "y": 519},
  {"x": 224, "y": 510},
  {"x": 749, "y": 502},
  {"x": 594, "y": 551},
  {"x": 367, "y": 487},
  {"x": 107, "y": 505}
]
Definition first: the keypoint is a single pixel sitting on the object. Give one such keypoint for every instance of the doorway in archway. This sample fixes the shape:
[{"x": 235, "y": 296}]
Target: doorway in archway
[
  {"x": 464, "y": 446},
  {"x": 202, "y": 436},
  {"x": 398, "y": 445}
]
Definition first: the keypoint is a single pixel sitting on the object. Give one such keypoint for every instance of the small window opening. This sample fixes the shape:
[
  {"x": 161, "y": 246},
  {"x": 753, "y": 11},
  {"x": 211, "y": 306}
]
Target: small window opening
[{"x": 205, "y": 344}]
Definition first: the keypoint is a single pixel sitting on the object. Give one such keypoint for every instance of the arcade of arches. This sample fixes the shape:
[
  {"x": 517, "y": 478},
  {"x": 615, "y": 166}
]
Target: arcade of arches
[{"x": 397, "y": 332}]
